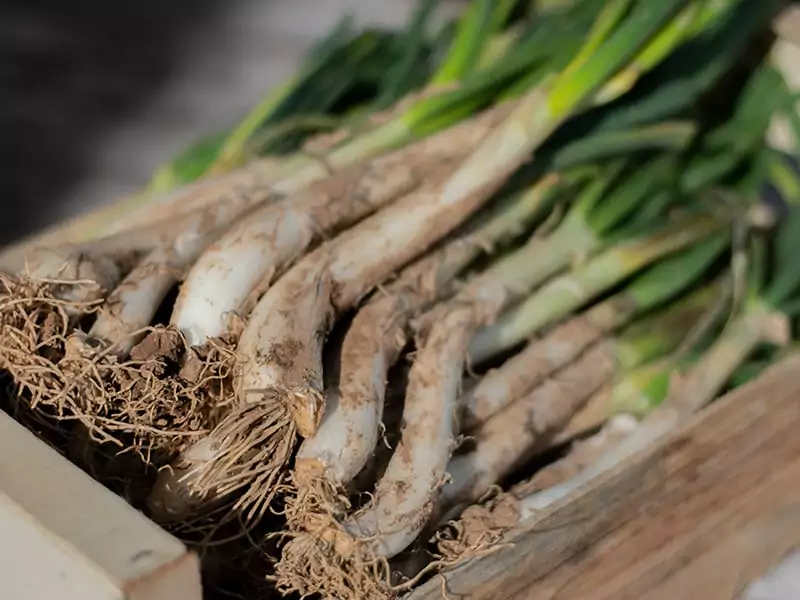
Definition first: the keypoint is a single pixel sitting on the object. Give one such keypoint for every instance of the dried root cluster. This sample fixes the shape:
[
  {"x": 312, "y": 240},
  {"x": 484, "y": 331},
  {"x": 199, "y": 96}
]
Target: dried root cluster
[{"x": 151, "y": 402}]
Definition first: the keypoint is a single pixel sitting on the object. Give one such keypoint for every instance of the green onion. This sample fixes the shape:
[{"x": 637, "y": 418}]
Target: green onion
[{"x": 570, "y": 291}]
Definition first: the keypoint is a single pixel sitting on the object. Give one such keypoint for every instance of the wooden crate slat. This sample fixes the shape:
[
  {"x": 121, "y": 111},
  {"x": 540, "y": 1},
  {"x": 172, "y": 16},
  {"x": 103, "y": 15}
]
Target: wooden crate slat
[{"x": 64, "y": 536}]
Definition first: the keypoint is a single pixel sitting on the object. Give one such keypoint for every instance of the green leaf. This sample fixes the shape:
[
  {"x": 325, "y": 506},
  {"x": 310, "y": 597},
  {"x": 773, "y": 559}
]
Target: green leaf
[
  {"x": 675, "y": 273},
  {"x": 785, "y": 279},
  {"x": 399, "y": 80}
]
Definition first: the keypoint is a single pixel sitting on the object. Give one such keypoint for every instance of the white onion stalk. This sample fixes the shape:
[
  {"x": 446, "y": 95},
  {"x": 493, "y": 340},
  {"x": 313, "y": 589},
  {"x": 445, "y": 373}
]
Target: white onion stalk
[
  {"x": 571, "y": 291},
  {"x": 209, "y": 471},
  {"x": 408, "y": 491},
  {"x": 257, "y": 180},
  {"x": 355, "y": 263},
  {"x": 405, "y": 495},
  {"x": 347, "y": 437},
  {"x": 263, "y": 180},
  {"x": 524, "y": 371},
  {"x": 349, "y": 432},
  {"x": 510, "y": 436},
  {"x": 38, "y": 308},
  {"x": 329, "y": 553},
  {"x": 582, "y": 454},
  {"x": 590, "y": 418},
  {"x": 51, "y": 262},
  {"x": 270, "y": 239},
  {"x": 47, "y": 355},
  {"x": 103, "y": 261},
  {"x": 77, "y": 276},
  {"x": 131, "y": 217},
  {"x": 131, "y": 306},
  {"x": 530, "y": 367}
]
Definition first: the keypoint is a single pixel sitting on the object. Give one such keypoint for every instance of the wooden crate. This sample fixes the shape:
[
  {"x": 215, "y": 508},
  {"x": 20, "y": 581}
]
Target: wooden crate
[
  {"x": 63, "y": 536},
  {"x": 699, "y": 515}
]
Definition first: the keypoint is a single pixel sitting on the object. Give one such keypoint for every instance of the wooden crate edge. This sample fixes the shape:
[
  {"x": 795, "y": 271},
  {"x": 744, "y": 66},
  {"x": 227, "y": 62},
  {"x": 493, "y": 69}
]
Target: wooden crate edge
[{"x": 67, "y": 536}]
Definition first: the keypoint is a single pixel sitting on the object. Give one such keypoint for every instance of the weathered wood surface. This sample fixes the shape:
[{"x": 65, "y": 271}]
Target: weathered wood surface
[
  {"x": 63, "y": 536},
  {"x": 700, "y": 514}
]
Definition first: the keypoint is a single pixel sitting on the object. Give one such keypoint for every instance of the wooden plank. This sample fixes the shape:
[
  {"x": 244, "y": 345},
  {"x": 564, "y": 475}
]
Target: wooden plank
[
  {"x": 700, "y": 477},
  {"x": 747, "y": 554},
  {"x": 703, "y": 518},
  {"x": 63, "y": 536}
]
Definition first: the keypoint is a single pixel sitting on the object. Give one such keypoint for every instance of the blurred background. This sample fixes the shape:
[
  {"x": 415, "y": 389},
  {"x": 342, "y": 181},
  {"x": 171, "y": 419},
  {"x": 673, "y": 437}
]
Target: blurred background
[{"x": 98, "y": 94}]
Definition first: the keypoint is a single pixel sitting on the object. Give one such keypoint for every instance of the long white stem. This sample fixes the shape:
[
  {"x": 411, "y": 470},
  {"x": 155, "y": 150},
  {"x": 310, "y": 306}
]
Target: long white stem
[
  {"x": 136, "y": 214},
  {"x": 581, "y": 454},
  {"x": 263, "y": 180},
  {"x": 640, "y": 438},
  {"x": 405, "y": 494},
  {"x": 268, "y": 179},
  {"x": 254, "y": 182},
  {"x": 590, "y": 418},
  {"x": 87, "y": 276},
  {"x": 408, "y": 491},
  {"x": 285, "y": 351},
  {"x": 248, "y": 450},
  {"x": 533, "y": 364},
  {"x": 511, "y": 435},
  {"x": 133, "y": 304},
  {"x": 276, "y": 235},
  {"x": 349, "y": 432}
]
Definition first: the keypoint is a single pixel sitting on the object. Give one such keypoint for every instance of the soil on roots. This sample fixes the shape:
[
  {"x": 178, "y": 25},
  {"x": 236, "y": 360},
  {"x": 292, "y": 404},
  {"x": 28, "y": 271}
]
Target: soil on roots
[
  {"x": 150, "y": 403},
  {"x": 319, "y": 557},
  {"x": 333, "y": 565},
  {"x": 34, "y": 326},
  {"x": 236, "y": 471},
  {"x": 478, "y": 531}
]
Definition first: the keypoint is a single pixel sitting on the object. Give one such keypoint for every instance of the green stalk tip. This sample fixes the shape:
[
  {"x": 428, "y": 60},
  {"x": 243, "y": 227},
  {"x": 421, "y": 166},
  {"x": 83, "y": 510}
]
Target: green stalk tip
[
  {"x": 479, "y": 21},
  {"x": 673, "y": 274},
  {"x": 607, "y": 20},
  {"x": 630, "y": 192},
  {"x": 641, "y": 390},
  {"x": 628, "y": 39}
]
